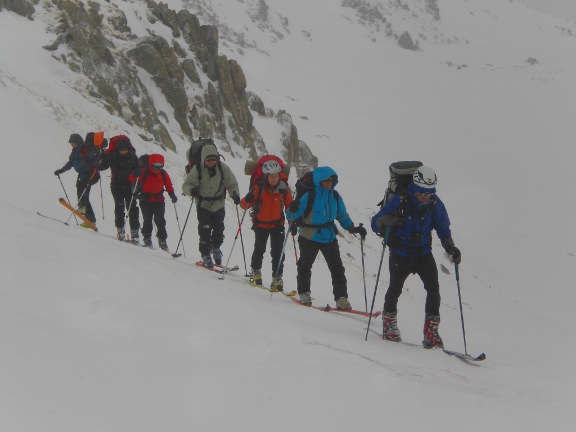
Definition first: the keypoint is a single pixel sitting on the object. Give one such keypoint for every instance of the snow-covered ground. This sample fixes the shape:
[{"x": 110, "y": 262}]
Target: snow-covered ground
[{"x": 99, "y": 335}]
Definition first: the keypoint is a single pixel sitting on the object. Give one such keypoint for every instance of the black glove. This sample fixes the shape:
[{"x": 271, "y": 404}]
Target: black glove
[
  {"x": 391, "y": 220},
  {"x": 104, "y": 143},
  {"x": 453, "y": 251},
  {"x": 294, "y": 206},
  {"x": 236, "y": 199},
  {"x": 173, "y": 197},
  {"x": 136, "y": 173},
  {"x": 194, "y": 192},
  {"x": 293, "y": 229},
  {"x": 358, "y": 230},
  {"x": 58, "y": 172},
  {"x": 249, "y": 197}
]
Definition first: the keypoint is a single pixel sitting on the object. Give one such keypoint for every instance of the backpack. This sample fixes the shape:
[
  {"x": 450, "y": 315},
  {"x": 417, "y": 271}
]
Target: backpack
[
  {"x": 306, "y": 184},
  {"x": 194, "y": 153},
  {"x": 96, "y": 141},
  {"x": 400, "y": 178}
]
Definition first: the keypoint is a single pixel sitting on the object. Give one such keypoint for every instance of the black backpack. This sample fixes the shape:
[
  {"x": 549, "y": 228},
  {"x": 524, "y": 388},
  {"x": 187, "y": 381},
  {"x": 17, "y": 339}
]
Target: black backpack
[
  {"x": 306, "y": 184},
  {"x": 194, "y": 153},
  {"x": 400, "y": 178}
]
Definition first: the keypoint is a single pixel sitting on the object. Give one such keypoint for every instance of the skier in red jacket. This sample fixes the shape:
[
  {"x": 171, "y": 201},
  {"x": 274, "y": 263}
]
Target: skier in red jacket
[{"x": 152, "y": 180}]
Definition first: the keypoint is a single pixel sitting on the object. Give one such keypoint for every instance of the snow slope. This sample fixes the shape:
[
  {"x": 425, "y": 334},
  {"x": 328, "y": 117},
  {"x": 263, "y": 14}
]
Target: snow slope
[{"x": 99, "y": 335}]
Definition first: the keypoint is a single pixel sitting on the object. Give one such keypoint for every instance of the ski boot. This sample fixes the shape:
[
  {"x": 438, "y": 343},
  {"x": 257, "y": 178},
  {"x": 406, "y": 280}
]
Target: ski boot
[
  {"x": 343, "y": 303},
  {"x": 134, "y": 235},
  {"x": 256, "y": 277},
  {"x": 121, "y": 235},
  {"x": 207, "y": 261},
  {"x": 390, "y": 323},
  {"x": 277, "y": 285},
  {"x": 147, "y": 242},
  {"x": 431, "y": 337},
  {"x": 163, "y": 245},
  {"x": 306, "y": 298},
  {"x": 82, "y": 209},
  {"x": 217, "y": 255}
]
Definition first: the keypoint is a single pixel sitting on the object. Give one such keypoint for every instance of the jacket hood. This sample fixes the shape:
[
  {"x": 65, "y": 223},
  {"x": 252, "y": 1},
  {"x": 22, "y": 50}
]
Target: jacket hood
[
  {"x": 209, "y": 150},
  {"x": 155, "y": 158},
  {"x": 322, "y": 173}
]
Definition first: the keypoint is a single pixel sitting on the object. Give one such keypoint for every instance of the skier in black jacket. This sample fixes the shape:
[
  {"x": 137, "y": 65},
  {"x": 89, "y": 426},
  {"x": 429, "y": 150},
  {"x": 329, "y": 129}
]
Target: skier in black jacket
[{"x": 122, "y": 161}]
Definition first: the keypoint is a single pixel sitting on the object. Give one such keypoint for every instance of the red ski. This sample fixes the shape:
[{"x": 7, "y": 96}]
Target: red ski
[
  {"x": 329, "y": 308},
  {"x": 217, "y": 268},
  {"x": 77, "y": 213}
]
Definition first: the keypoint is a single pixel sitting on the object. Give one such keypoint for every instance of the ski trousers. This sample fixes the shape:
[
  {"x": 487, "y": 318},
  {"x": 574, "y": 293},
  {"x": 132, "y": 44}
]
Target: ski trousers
[
  {"x": 83, "y": 187},
  {"x": 122, "y": 193},
  {"x": 153, "y": 211},
  {"x": 400, "y": 268},
  {"x": 210, "y": 229},
  {"x": 308, "y": 252},
  {"x": 276, "y": 235}
]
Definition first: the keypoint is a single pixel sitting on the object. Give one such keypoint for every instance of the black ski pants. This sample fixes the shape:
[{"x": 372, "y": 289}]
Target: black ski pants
[
  {"x": 425, "y": 267},
  {"x": 308, "y": 252},
  {"x": 153, "y": 211},
  {"x": 83, "y": 187},
  {"x": 276, "y": 235},
  {"x": 122, "y": 193},
  {"x": 210, "y": 229}
]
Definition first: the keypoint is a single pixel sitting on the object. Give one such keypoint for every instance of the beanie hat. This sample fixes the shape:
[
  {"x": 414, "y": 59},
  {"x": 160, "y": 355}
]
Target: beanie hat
[
  {"x": 76, "y": 139},
  {"x": 424, "y": 180},
  {"x": 123, "y": 143}
]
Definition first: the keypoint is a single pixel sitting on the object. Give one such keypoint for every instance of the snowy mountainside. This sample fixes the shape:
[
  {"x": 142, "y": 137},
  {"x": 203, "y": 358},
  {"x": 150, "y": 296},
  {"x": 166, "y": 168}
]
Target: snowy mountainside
[{"x": 132, "y": 340}]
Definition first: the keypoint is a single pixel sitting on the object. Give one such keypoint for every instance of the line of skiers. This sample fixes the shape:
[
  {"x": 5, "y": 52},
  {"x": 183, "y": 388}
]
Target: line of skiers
[{"x": 405, "y": 221}]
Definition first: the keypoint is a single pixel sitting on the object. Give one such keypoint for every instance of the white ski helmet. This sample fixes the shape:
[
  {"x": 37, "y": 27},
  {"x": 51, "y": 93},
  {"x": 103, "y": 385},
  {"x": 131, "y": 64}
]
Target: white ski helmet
[
  {"x": 424, "y": 179},
  {"x": 271, "y": 167}
]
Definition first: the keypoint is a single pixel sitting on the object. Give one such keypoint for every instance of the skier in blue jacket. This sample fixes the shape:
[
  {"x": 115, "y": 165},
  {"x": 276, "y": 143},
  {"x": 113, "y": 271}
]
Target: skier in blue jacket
[
  {"x": 411, "y": 220},
  {"x": 318, "y": 234}
]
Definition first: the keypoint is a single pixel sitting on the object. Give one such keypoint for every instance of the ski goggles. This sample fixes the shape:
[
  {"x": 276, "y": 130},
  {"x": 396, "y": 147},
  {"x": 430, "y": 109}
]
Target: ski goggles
[{"x": 157, "y": 165}]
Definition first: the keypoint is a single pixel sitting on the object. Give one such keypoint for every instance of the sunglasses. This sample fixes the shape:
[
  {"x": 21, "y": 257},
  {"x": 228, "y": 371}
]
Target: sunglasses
[
  {"x": 157, "y": 165},
  {"x": 423, "y": 194}
]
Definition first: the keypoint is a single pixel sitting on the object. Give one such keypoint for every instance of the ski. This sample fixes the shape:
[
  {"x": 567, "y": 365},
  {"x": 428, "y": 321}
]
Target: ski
[
  {"x": 217, "y": 268},
  {"x": 262, "y": 287},
  {"x": 329, "y": 308},
  {"x": 77, "y": 213},
  {"x": 466, "y": 357},
  {"x": 54, "y": 219}
]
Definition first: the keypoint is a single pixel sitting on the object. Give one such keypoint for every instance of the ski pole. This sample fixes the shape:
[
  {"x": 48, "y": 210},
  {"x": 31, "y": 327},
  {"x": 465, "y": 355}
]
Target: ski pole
[
  {"x": 460, "y": 301},
  {"x": 101, "y": 197},
  {"x": 176, "y": 254},
  {"x": 178, "y": 221},
  {"x": 67, "y": 199},
  {"x": 295, "y": 252},
  {"x": 241, "y": 241},
  {"x": 234, "y": 244},
  {"x": 363, "y": 271},
  {"x": 384, "y": 243},
  {"x": 130, "y": 205},
  {"x": 283, "y": 249}
]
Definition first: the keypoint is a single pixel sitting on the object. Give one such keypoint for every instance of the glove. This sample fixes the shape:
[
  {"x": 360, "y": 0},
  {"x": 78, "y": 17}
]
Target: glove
[
  {"x": 455, "y": 254},
  {"x": 452, "y": 250},
  {"x": 293, "y": 229},
  {"x": 194, "y": 192},
  {"x": 294, "y": 206},
  {"x": 136, "y": 173},
  {"x": 58, "y": 172},
  {"x": 249, "y": 197},
  {"x": 104, "y": 143},
  {"x": 358, "y": 230},
  {"x": 173, "y": 197},
  {"x": 236, "y": 199},
  {"x": 391, "y": 220}
]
